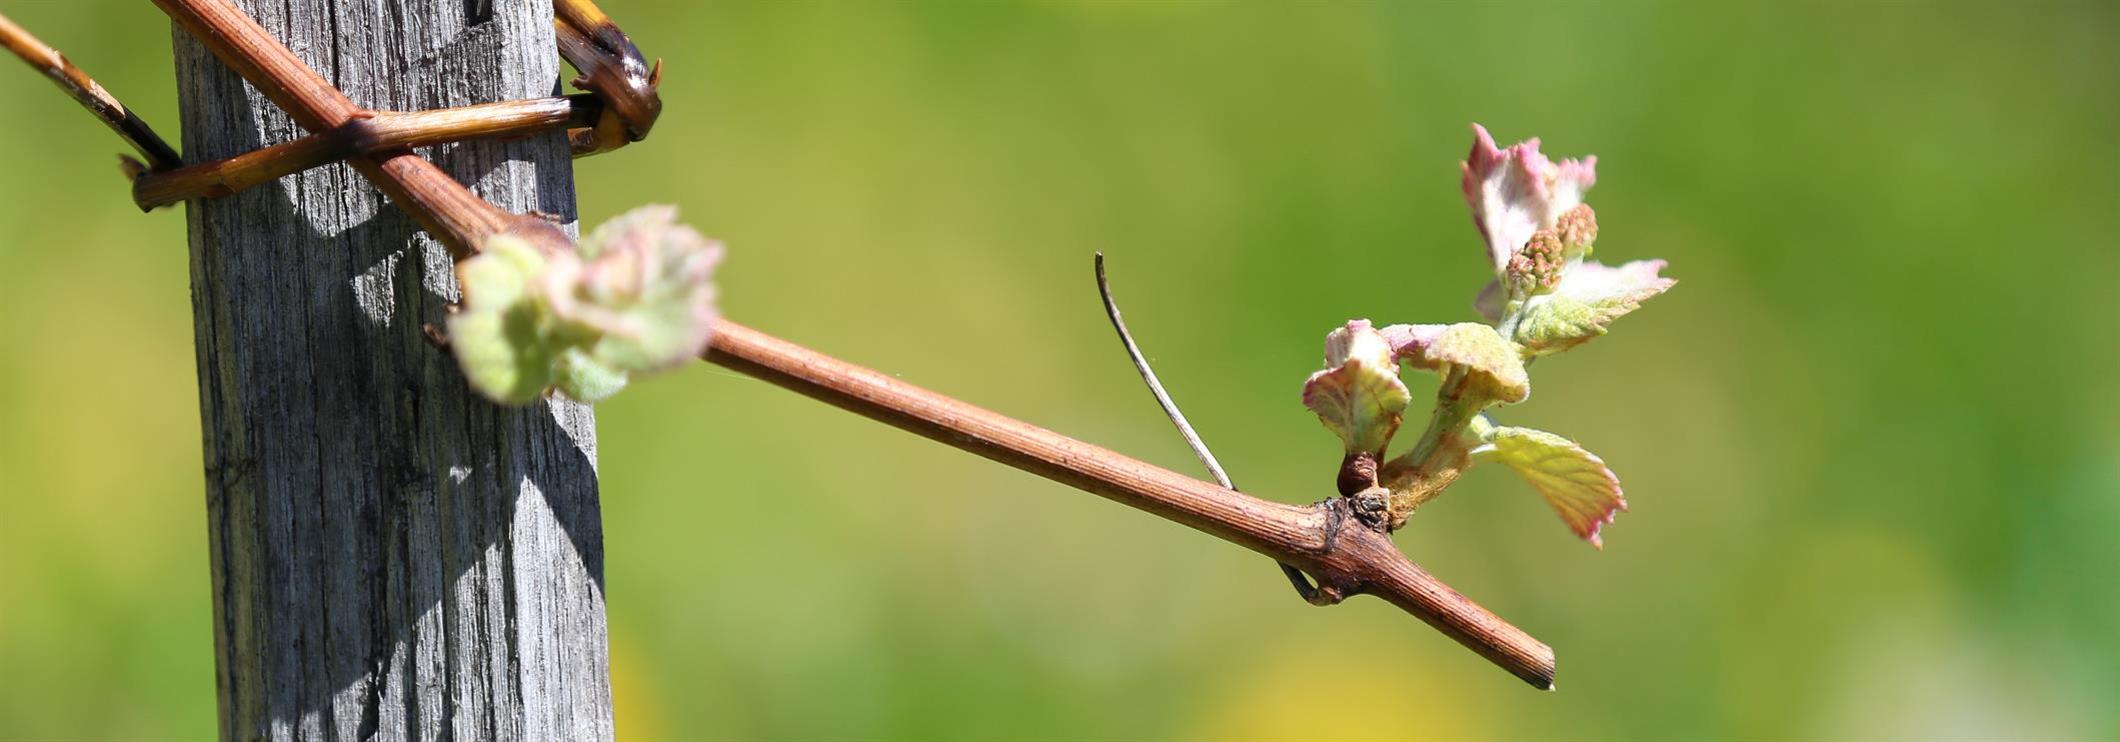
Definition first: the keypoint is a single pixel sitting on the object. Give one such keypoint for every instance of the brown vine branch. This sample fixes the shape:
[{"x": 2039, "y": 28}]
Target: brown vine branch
[
  {"x": 448, "y": 210},
  {"x": 612, "y": 68},
  {"x": 90, "y": 95},
  {"x": 1326, "y": 540},
  {"x": 378, "y": 133},
  {"x": 165, "y": 180}
]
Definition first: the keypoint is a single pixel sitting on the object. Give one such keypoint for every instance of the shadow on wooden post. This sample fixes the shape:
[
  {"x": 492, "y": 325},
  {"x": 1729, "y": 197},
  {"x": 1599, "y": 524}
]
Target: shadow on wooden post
[{"x": 393, "y": 557}]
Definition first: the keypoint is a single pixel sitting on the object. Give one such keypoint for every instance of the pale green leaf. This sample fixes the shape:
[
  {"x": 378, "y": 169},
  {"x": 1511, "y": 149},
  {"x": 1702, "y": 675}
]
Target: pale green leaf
[
  {"x": 646, "y": 290},
  {"x": 1590, "y": 296},
  {"x": 1574, "y": 481},
  {"x": 1495, "y": 363},
  {"x": 1360, "y": 398},
  {"x": 584, "y": 378},
  {"x": 636, "y": 296},
  {"x": 500, "y": 336},
  {"x": 502, "y": 353},
  {"x": 501, "y": 273}
]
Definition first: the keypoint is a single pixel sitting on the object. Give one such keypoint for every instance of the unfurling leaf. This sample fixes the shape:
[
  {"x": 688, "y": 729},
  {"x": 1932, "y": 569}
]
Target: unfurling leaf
[
  {"x": 1574, "y": 481},
  {"x": 1491, "y": 301},
  {"x": 634, "y": 296},
  {"x": 1589, "y": 297},
  {"x": 579, "y": 375},
  {"x": 1516, "y": 192},
  {"x": 646, "y": 287},
  {"x": 1358, "y": 396},
  {"x": 1491, "y": 361},
  {"x": 502, "y": 337}
]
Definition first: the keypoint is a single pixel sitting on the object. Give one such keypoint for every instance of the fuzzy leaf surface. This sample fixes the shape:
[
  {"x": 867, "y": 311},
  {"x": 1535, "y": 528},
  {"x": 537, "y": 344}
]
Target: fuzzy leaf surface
[
  {"x": 1590, "y": 296},
  {"x": 1574, "y": 481},
  {"x": 636, "y": 295},
  {"x": 1496, "y": 362},
  {"x": 1516, "y": 191},
  {"x": 1359, "y": 397}
]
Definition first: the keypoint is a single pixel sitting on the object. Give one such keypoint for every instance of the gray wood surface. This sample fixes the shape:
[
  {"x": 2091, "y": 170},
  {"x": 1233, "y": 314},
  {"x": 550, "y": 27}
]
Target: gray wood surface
[{"x": 393, "y": 558}]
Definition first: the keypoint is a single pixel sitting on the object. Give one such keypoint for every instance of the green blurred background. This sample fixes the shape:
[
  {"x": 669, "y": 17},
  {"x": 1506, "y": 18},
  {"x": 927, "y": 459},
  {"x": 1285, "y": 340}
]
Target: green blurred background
[{"x": 1870, "y": 439}]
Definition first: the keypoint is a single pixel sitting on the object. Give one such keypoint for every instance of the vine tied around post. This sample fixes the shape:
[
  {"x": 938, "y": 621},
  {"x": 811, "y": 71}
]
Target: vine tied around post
[{"x": 1316, "y": 539}]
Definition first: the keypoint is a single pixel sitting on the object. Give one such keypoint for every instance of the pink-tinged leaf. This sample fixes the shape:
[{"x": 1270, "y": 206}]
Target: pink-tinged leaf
[
  {"x": 1406, "y": 339},
  {"x": 1574, "y": 481},
  {"x": 1589, "y": 297},
  {"x": 1491, "y": 300},
  {"x": 635, "y": 295},
  {"x": 1496, "y": 363},
  {"x": 1516, "y": 192},
  {"x": 646, "y": 287},
  {"x": 1358, "y": 396}
]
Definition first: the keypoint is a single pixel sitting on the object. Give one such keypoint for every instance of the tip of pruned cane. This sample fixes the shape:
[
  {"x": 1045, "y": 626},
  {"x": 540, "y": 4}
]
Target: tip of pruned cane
[{"x": 132, "y": 168}]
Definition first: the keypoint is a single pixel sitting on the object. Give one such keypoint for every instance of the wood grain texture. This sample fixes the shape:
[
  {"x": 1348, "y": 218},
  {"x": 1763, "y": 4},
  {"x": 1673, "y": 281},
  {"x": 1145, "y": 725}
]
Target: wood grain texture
[
  {"x": 449, "y": 211},
  {"x": 393, "y": 557}
]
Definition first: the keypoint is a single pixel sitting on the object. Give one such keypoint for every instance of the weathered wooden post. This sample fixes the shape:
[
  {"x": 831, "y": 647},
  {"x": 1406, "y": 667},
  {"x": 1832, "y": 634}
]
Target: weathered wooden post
[{"x": 393, "y": 557}]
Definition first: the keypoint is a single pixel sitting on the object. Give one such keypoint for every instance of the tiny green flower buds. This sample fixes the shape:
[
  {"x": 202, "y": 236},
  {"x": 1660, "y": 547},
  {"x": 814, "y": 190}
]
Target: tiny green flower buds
[
  {"x": 1536, "y": 269},
  {"x": 634, "y": 296},
  {"x": 1544, "y": 298},
  {"x": 1578, "y": 230}
]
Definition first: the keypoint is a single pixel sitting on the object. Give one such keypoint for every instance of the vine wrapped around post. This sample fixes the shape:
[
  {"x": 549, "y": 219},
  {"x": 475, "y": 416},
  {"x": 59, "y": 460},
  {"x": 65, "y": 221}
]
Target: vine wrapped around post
[{"x": 544, "y": 317}]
